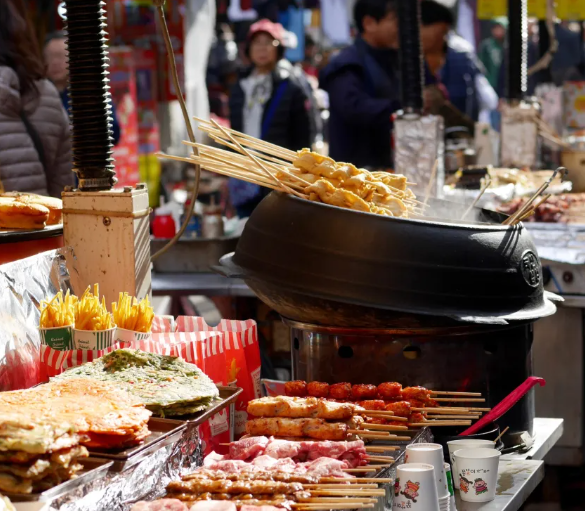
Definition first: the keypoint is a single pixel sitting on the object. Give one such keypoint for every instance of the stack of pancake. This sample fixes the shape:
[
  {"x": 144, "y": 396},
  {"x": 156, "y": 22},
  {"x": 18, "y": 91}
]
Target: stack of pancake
[
  {"x": 106, "y": 416},
  {"x": 36, "y": 453}
]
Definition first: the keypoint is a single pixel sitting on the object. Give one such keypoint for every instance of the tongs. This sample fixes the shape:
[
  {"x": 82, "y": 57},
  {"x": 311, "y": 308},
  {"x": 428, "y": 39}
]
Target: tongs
[{"x": 527, "y": 209}]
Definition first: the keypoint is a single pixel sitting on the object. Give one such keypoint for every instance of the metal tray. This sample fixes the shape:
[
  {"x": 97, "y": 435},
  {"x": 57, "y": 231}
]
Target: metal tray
[
  {"x": 162, "y": 433},
  {"x": 192, "y": 256},
  {"x": 18, "y": 235},
  {"x": 93, "y": 469},
  {"x": 227, "y": 396}
]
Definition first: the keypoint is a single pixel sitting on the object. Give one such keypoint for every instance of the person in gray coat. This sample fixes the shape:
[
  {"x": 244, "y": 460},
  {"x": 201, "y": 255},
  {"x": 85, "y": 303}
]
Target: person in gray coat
[{"x": 35, "y": 144}]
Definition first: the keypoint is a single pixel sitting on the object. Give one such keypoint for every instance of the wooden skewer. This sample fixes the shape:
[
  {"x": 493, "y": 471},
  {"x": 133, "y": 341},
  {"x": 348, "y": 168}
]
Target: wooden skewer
[
  {"x": 442, "y": 409},
  {"x": 327, "y": 507},
  {"x": 379, "y": 480},
  {"x": 432, "y": 424},
  {"x": 339, "y": 500},
  {"x": 448, "y": 393},
  {"x": 320, "y": 486},
  {"x": 476, "y": 200},
  {"x": 501, "y": 434},
  {"x": 451, "y": 417},
  {"x": 212, "y": 126},
  {"x": 257, "y": 161},
  {"x": 378, "y": 435},
  {"x": 460, "y": 399},
  {"x": 381, "y": 459},
  {"x": 371, "y": 448},
  {"x": 383, "y": 427},
  {"x": 479, "y": 409},
  {"x": 383, "y": 415},
  {"x": 357, "y": 470},
  {"x": 350, "y": 492}
]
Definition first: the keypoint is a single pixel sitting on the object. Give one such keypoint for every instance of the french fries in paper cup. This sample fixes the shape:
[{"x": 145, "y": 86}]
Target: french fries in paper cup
[
  {"x": 133, "y": 316},
  {"x": 94, "y": 325}
]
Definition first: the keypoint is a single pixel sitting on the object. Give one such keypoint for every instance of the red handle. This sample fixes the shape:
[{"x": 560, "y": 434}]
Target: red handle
[{"x": 503, "y": 406}]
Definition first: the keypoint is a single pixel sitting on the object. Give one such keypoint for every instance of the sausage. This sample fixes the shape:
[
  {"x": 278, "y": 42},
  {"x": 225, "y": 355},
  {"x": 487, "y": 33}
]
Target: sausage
[
  {"x": 373, "y": 404},
  {"x": 340, "y": 391},
  {"x": 419, "y": 393},
  {"x": 296, "y": 388},
  {"x": 389, "y": 390},
  {"x": 400, "y": 408},
  {"x": 318, "y": 389},
  {"x": 361, "y": 391}
]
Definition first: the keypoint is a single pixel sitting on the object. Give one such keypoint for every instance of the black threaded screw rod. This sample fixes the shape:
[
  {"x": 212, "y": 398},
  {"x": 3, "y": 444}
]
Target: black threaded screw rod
[
  {"x": 89, "y": 96},
  {"x": 517, "y": 49},
  {"x": 411, "y": 58}
]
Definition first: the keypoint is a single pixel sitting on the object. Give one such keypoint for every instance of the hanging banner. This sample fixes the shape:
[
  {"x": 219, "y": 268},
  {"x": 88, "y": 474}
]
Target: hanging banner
[
  {"x": 490, "y": 9},
  {"x": 573, "y": 10}
]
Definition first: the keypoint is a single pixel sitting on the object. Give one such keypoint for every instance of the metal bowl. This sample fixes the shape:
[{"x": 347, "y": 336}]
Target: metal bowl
[{"x": 334, "y": 257}]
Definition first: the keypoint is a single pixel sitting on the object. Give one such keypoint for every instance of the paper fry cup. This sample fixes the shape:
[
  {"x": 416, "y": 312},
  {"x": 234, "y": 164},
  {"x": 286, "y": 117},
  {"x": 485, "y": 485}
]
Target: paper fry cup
[
  {"x": 431, "y": 454},
  {"x": 123, "y": 335},
  {"x": 477, "y": 471},
  {"x": 455, "y": 445},
  {"x": 415, "y": 488},
  {"x": 59, "y": 338},
  {"x": 93, "y": 339}
]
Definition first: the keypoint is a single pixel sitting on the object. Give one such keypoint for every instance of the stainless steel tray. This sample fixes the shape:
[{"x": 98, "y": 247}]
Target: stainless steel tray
[
  {"x": 192, "y": 256},
  {"x": 162, "y": 433},
  {"x": 227, "y": 396},
  {"x": 93, "y": 469}
]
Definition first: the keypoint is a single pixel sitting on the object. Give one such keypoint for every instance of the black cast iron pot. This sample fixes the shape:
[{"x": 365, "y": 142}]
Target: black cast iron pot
[{"x": 335, "y": 263}]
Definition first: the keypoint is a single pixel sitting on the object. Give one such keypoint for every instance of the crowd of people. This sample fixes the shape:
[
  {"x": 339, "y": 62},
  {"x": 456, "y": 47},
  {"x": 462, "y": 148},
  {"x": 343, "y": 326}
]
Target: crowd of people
[{"x": 258, "y": 91}]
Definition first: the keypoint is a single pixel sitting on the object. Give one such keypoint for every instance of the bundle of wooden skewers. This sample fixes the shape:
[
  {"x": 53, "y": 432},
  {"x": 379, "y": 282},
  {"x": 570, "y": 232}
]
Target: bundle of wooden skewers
[
  {"x": 304, "y": 174},
  {"x": 291, "y": 491},
  {"x": 390, "y": 404}
]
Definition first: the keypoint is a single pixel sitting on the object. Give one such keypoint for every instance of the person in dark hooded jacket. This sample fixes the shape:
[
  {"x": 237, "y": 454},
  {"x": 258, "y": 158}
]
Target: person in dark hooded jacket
[
  {"x": 364, "y": 88},
  {"x": 269, "y": 103}
]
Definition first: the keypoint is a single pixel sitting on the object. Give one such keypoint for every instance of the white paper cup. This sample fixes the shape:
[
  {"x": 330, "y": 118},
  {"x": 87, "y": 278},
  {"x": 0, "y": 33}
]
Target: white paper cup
[
  {"x": 444, "y": 503},
  {"x": 431, "y": 454},
  {"x": 455, "y": 445},
  {"x": 93, "y": 339},
  {"x": 59, "y": 338},
  {"x": 129, "y": 336},
  {"x": 477, "y": 471},
  {"x": 415, "y": 488}
]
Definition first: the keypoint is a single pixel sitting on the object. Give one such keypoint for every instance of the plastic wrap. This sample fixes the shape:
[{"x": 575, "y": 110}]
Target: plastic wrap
[
  {"x": 147, "y": 480},
  {"x": 419, "y": 142},
  {"x": 23, "y": 284}
]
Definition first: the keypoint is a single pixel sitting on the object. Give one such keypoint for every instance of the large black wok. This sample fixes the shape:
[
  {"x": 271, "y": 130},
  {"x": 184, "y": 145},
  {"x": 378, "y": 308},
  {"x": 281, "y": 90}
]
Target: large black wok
[{"x": 319, "y": 263}]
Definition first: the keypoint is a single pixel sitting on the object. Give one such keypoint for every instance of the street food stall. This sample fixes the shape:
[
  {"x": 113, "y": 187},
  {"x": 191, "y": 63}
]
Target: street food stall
[{"x": 411, "y": 330}]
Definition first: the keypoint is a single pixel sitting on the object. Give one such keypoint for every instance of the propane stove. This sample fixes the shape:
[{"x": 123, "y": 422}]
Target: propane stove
[{"x": 492, "y": 360}]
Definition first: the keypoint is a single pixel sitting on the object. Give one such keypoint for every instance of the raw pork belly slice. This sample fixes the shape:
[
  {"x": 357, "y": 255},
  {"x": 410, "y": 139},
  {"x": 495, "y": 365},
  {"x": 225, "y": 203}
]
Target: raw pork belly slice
[
  {"x": 324, "y": 466},
  {"x": 162, "y": 505},
  {"x": 248, "y": 448},
  {"x": 282, "y": 448},
  {"x": 212, "y": 458},
  {"x": 213, "y": 505}
]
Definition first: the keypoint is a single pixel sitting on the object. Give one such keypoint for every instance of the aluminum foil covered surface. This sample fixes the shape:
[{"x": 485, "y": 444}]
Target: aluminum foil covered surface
[
  {"x": 147, "y": 480},
  {"x": 419, "y": 142},
  {"x": 23, "y": 284}
]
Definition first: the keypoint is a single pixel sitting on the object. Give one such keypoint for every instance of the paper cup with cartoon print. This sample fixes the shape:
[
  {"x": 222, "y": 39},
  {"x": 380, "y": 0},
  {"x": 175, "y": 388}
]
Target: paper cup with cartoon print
[
  {"x": 93, "y": 339},
  {"x": 433, "y": 455},
  {"x": 415, "y": 488},
  {"x": 455, "y": 445},
  {"x": 477, "y": 471}
]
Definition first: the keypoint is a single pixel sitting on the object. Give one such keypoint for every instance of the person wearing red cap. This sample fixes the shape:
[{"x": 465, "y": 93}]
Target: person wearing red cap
[{"x": 268, "y": 102}]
